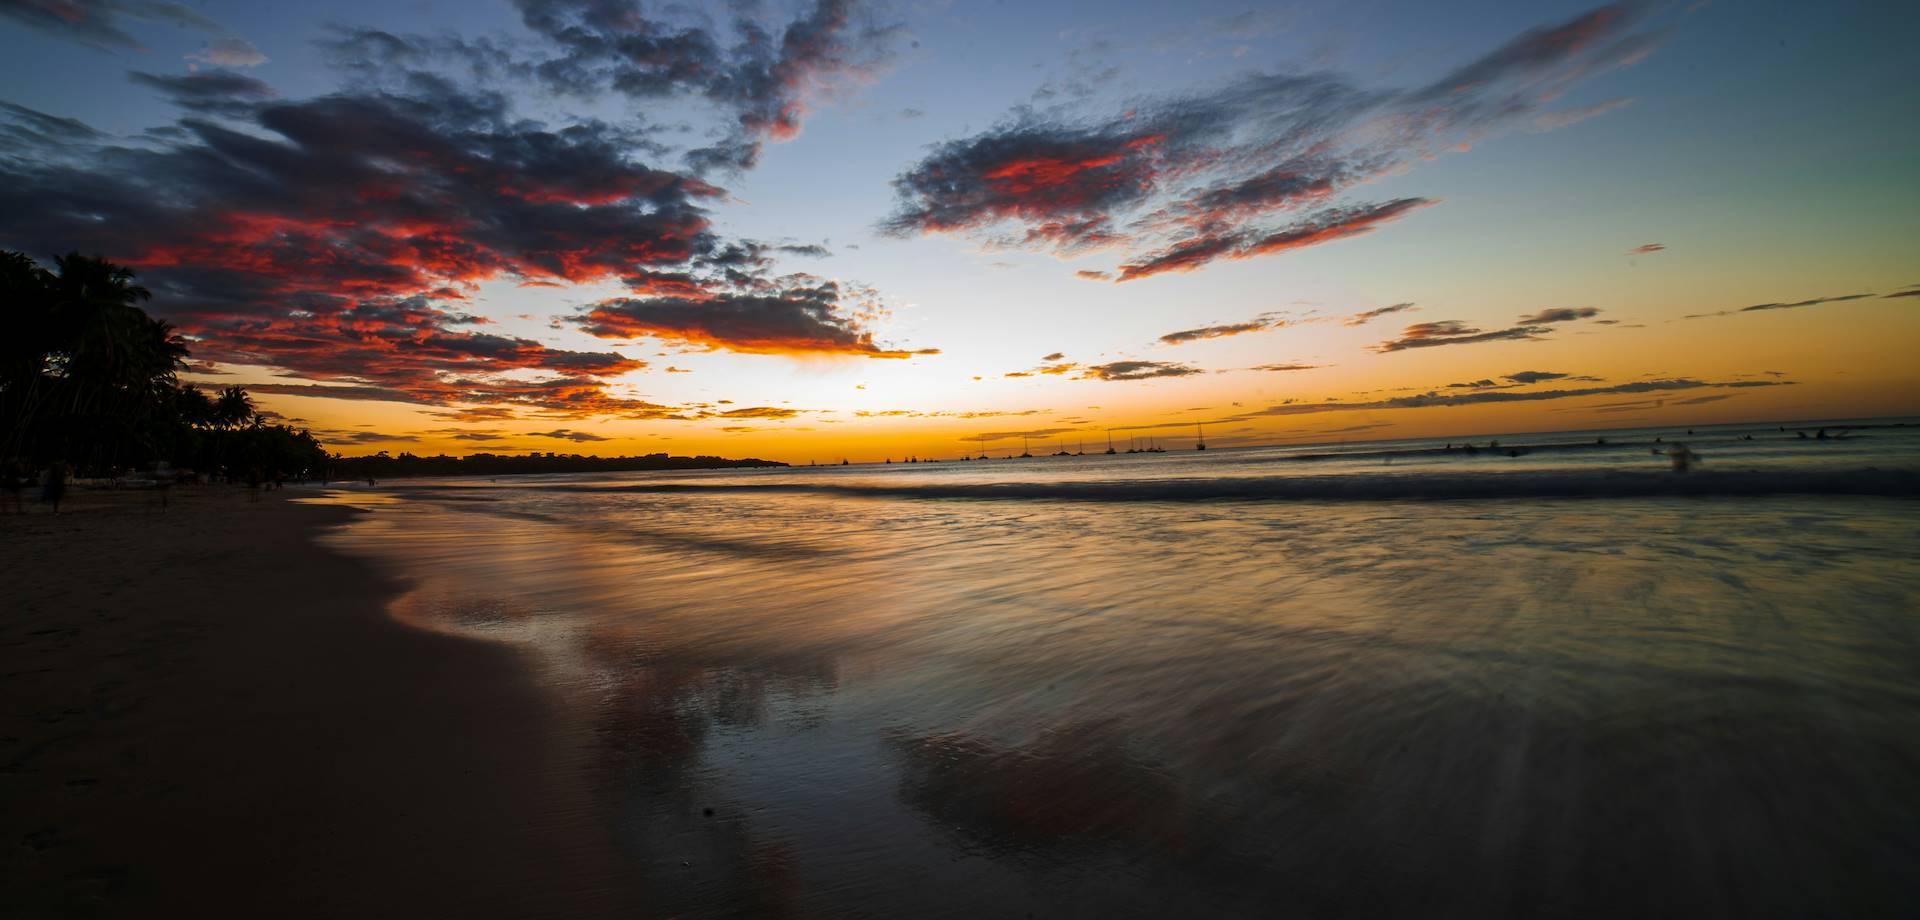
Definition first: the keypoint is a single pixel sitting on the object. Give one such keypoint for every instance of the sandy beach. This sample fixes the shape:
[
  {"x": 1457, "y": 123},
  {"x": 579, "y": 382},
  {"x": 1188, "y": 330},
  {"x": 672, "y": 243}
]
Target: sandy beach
[{"x": 208, "y": 715}]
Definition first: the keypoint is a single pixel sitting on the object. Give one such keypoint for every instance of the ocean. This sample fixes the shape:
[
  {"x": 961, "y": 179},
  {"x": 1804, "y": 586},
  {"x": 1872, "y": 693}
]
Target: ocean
[{"x": 1547, "y": 677}]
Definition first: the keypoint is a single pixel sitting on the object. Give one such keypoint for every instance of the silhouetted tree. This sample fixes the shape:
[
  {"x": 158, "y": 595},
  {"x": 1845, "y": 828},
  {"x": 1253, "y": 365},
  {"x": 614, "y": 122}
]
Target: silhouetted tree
[{"x": 87, "y": 376}]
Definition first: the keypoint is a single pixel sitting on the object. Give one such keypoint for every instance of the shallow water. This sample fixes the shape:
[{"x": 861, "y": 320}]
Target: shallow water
[{"x": 1066, "y": 688}]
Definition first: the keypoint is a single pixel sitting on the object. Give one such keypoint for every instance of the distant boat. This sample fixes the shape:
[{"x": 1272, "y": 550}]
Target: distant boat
[
  {"x": 1062, "y": 452},
  {"x": 1199, "y": 437},
  {"x": 1110, "y": 443},
  {"x": 1025, "y": 454}
]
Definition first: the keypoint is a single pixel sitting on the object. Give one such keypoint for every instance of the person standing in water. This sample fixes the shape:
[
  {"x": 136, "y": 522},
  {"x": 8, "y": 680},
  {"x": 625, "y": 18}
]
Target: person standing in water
[{"x": 1683, "y": 459}]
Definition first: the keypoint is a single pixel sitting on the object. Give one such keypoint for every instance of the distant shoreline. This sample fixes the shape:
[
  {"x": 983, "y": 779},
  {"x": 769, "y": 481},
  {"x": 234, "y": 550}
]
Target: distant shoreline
[{"x": 405, "y": 465}]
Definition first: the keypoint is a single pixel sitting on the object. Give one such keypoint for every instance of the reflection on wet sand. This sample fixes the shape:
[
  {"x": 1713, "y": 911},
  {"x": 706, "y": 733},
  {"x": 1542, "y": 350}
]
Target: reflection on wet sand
[{"x": 939, "y": 708}]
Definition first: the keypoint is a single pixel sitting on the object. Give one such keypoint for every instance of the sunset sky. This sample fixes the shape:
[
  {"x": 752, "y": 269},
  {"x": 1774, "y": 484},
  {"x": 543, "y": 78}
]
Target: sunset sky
[{"x": 813, "y": 230}]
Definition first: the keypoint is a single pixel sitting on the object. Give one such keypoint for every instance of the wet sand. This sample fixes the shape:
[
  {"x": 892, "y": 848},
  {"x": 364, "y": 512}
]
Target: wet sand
[{"x": 207, "y": 714}]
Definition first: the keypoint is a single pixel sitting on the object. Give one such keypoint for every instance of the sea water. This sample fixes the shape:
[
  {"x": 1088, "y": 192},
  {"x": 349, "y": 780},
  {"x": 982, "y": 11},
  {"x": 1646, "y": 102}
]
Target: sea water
[{"x": 1551, "y": 676}]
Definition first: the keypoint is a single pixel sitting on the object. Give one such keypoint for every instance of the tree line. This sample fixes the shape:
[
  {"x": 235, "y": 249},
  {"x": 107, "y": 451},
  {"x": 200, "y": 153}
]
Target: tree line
[
  {"x": 89, "y": 380},
  {"x": 384, "y": 466}
]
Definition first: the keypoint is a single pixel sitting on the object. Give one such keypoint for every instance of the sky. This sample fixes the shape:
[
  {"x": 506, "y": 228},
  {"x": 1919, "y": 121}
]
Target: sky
[{"x": 813, "y": 230}]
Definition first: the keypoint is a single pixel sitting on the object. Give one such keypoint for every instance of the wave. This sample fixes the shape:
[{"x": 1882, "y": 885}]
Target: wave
[{"x": 1357, "y": 487}]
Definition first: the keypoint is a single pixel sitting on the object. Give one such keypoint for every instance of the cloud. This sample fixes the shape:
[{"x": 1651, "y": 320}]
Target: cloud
[
  {"x": 101, "y": 23},
  {"x": 1803, "y": 303},
  {"x": 1646, "y": 249},
  {"x": 565, "y": 434},
  {"x": 1090, "y": 275},
  {"x": 768, "y": 77},
  {"x": 805, "y": 317},
  {"x": 1454, "y": 332},
  {"x": 1135, "y": 370},
  {"x": 814, "y": 250},
  {"x": 987, "y": 437},
  {"x": 1180, "y": 181},
  {"x": 1563, "y": 118},
  {"x": 1782, "y": 306},
  {"x": 1285, "y": 367},
  {"x": 1256, "y": 324},
  {"x": 214, "y": 91},
  {"x": 1333, "y": 224},
  {"x": 36, "y": 133},
  {"x": 1912, "y": 293},
  {"x": 363, "y": 437},
  {"x": 1053, "y": 357},
  {"x": 1531, "y": 377},
  {"x": 229, "y": 51},
  {"x": 1367, "y": 316},
  {"x": 1559, "y": 315},
  {"x": 336, "y": 238},
  {"x": 1479, "y": 397}
]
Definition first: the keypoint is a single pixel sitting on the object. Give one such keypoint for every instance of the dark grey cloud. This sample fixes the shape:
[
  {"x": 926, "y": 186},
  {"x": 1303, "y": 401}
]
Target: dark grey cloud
[
  {"x": 1480, "y": 397},
  {"x": 1803, "y": 303},
  {"x": 49, "y": 126},
  {"x": 211, "y": 91},
  {"x": 1559, "y": 315},
  {"x": 1794, "y": 305},
  {"x": 1367, "y": 316},
  {"x": 1257, "y": 324},
  {"x": 1532, "y": 377},
  {"x": 1183, "y": 180},
  {"x": 987, "y": 437},
  {"x": 336, "y": 238},
  {"x": 764, "y": 76},
  {"x": 101, "y": 23},
  {"x": 1135, "y": 370},
  {"x": 1454, "y": 332},
  {"x": 805, "y": 316},
  {"x": 565, "y": 434}
]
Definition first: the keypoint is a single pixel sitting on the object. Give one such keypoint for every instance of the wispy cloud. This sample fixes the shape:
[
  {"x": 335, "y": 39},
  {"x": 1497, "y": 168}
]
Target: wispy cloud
[
  {"x": 1559, "y": 315},
  {"x": 1564, "y": 118},
  {"x": 102, "y": 24},
  {"x": 1257, "y": 324},
  {"x": 1366, "y": 316},
  {"x": 804, "y": 317},
  {"x": 1136, "y": 370},
  {"x": 1454, "y": 332},
  {"x": 1182, "y": 181},
  {"x": 1435, "y": 399},
  {"x": 1793, "y": 305}
]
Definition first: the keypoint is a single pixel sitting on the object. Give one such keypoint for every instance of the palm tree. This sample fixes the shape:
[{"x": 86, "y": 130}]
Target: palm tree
[
  {"x": 233, "y": 408},
  {"x": 87, "y": 375}
]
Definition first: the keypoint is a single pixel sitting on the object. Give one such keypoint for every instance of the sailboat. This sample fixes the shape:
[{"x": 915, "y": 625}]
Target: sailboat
[
  {"x": 1110, "y": 443},
  {"x": 1062, "y": 452},
  {"x": 1199, "y": 437},
  {"x": 1025, "y": 454}
]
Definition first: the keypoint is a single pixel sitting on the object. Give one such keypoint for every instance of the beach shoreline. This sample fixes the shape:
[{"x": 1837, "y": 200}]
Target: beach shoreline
[{"x": 209, "y": 713}]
